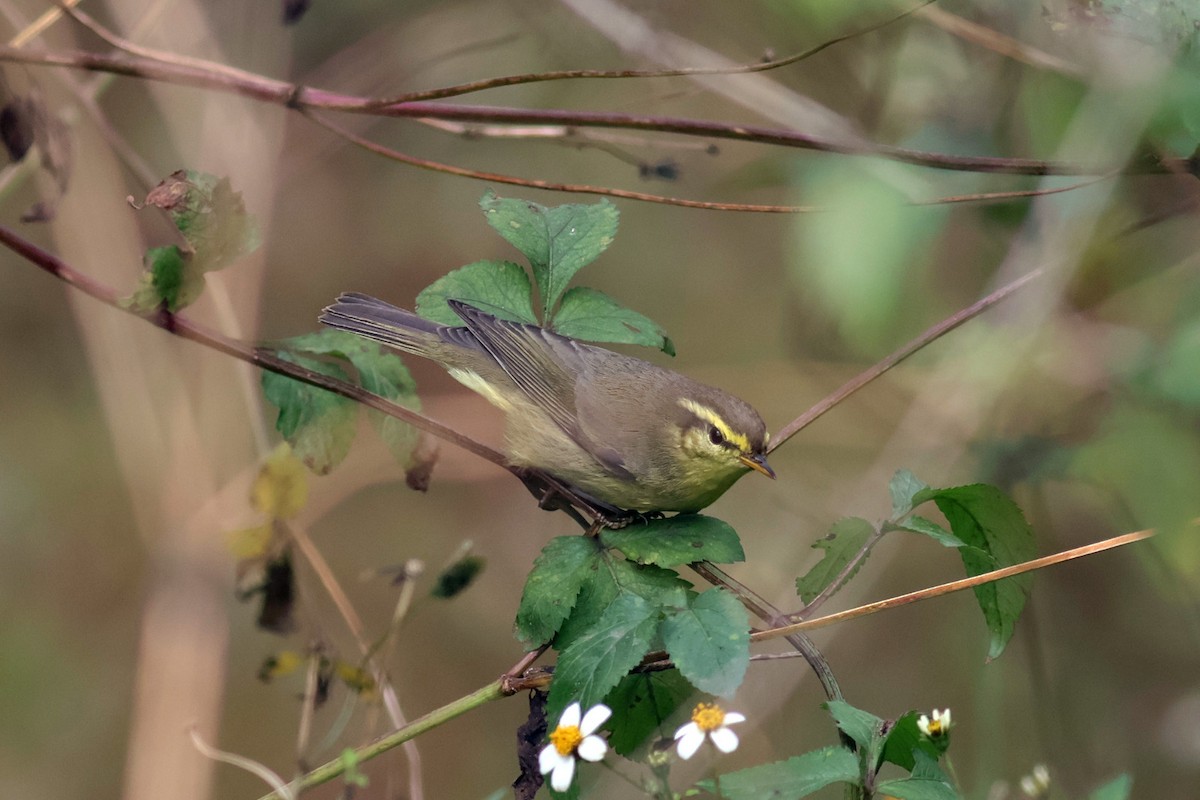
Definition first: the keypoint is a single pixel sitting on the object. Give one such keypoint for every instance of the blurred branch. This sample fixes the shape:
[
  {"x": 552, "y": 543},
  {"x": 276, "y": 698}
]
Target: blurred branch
[
  {"x": 931, "y": 335},
  {"x": 998, "y": 42}
]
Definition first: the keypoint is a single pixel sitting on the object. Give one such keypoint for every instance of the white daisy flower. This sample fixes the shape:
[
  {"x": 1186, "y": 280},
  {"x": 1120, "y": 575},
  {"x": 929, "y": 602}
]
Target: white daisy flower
[
  {"x": 1037, "y": 783},
  {"x": 573, "y": 738},
  {"x": 708, "y": 720},
  {"x": 936, "y": 726}
]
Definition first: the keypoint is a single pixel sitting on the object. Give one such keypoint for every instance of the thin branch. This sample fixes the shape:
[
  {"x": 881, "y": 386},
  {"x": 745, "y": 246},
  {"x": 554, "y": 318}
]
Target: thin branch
[
  {"x": 259, "y": 357},
  {"x": 932, "y": 334},
  {"x": 337, "y": 767},
  {"x": 534, "y": 183},
  {"x": 582, "y": 74},
  {"x": 209, "y": 75},
  {"x": 282, "y": 790},
  {"x": 952, "y": 586}
]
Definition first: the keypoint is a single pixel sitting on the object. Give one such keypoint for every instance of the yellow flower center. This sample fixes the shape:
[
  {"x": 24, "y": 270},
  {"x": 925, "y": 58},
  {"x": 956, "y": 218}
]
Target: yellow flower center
[
  {"x": 708, "y": 717},
  {"x": 935, "y": 728},
  {"x": 565, "y": 739}
]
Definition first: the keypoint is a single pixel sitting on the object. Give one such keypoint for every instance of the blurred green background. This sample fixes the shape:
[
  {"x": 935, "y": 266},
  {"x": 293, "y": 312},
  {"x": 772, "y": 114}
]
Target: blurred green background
[{"x": 127, "y": 455}]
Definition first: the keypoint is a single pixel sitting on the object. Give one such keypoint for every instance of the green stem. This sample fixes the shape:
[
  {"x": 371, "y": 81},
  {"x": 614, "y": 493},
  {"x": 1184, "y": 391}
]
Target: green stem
[{"x": 335, "y": 768}]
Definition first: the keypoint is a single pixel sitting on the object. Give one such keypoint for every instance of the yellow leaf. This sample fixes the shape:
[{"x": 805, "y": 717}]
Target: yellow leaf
[
  {"x": 282, "y": 663},
  {"x": 356, "y": 679},
  {"x": 281, "y": 489},
  {"x": 250, "y": 542}
]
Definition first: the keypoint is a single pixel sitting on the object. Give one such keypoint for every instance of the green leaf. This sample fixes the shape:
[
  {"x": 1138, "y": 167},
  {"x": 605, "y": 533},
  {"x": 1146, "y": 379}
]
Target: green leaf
[
  {"x": 318, "y": 424},
  {"x": 553, "y": 586},
  {"x": 501, "y": 288},
  {"x": 166, "y": 280},
  {"x": 797, "y": 777},
  {"x": 927, "y": 782},
  {"x": 1116, "y": 789},
  {"x": 903, "y": 487},
  {"x": 455, "y": 578},
  {"x": 611, "y": 577},
  {"x": 641, "y": 703},
  {"x": 682, "y": 539},
  {"x": 861, "y": 726},
  {"x": 905, "y": 737},
  {"x": 557, "y": 241},
  {"x": 380, "y": 371},
  {"x": 918, "y": 789},
  {"x": 596, "y": 662},
  {"x": 926, "y": 527},
  {"x": 213, "y": 222},
  {"x": 595, "y": 317},
  {"x": 985, "y": 518},
  {"x": 709, "y": 641},
  {"x": 844, "y": 541}
]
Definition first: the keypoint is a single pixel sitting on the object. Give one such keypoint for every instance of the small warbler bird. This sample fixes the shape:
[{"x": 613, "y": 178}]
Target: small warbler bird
[{"x": 625, "y": 434}]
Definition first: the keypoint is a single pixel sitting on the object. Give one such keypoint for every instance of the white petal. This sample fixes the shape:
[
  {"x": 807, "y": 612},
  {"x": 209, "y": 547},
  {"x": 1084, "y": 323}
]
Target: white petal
[
  {"x": 685, "y": 730},
  {"x": 923, "y": 724},
  {"x": 734, "y": 717},
  {"x": 725, "y": 740},
  {"x": 560, "y": 779},
  {"x": 570, "y": 717},
  {"x": 592, "y": 748},
  {"x": 596, "y": 716},
  {"x": 548, "y": 759},
  {"x": 690, "y": 743}
]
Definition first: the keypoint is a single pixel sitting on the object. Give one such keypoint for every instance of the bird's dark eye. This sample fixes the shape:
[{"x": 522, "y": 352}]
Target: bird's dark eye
[{"x": 715, "y": 436}]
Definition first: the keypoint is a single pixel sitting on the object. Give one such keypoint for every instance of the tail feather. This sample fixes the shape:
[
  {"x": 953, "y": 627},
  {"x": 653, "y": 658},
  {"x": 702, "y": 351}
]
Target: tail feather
[{"x": 374, "y": 319}]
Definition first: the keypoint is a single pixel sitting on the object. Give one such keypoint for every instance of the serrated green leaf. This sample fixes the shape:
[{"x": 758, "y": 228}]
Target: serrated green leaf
[
  {"x": 903, "y": 487},
  {"x": 681, "y": 539},
  {"x": 595, "y": 317},
  {"x": 319, "y": 425},
  {"x": 501, "y": 288},
  {"x": 1118, "y": 788},
  {"x": 797, "y": 777},
  {"x": 558, "y": 241},
  {"x": 614, "y": 576},
  {"x": 861, "y": 726},
  {"x": 709, "y": 641},
  {"x": 553, "y": 586},
  {"x": 905, "y": 737},
  {"x": 842, "y": 543},
  {"x": 594, "y": 663},
  {"x": 986, "y": 519},
  {"x": 641, "y": 703}
]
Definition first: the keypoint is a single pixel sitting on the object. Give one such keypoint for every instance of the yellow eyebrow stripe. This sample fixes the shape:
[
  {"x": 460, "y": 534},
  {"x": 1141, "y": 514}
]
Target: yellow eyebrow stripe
[{"x": 705, "y": 413}]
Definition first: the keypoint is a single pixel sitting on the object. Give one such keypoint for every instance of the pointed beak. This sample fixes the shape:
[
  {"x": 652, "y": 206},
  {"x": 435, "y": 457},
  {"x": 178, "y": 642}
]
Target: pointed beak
[{"x": 758, "y": 463}]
